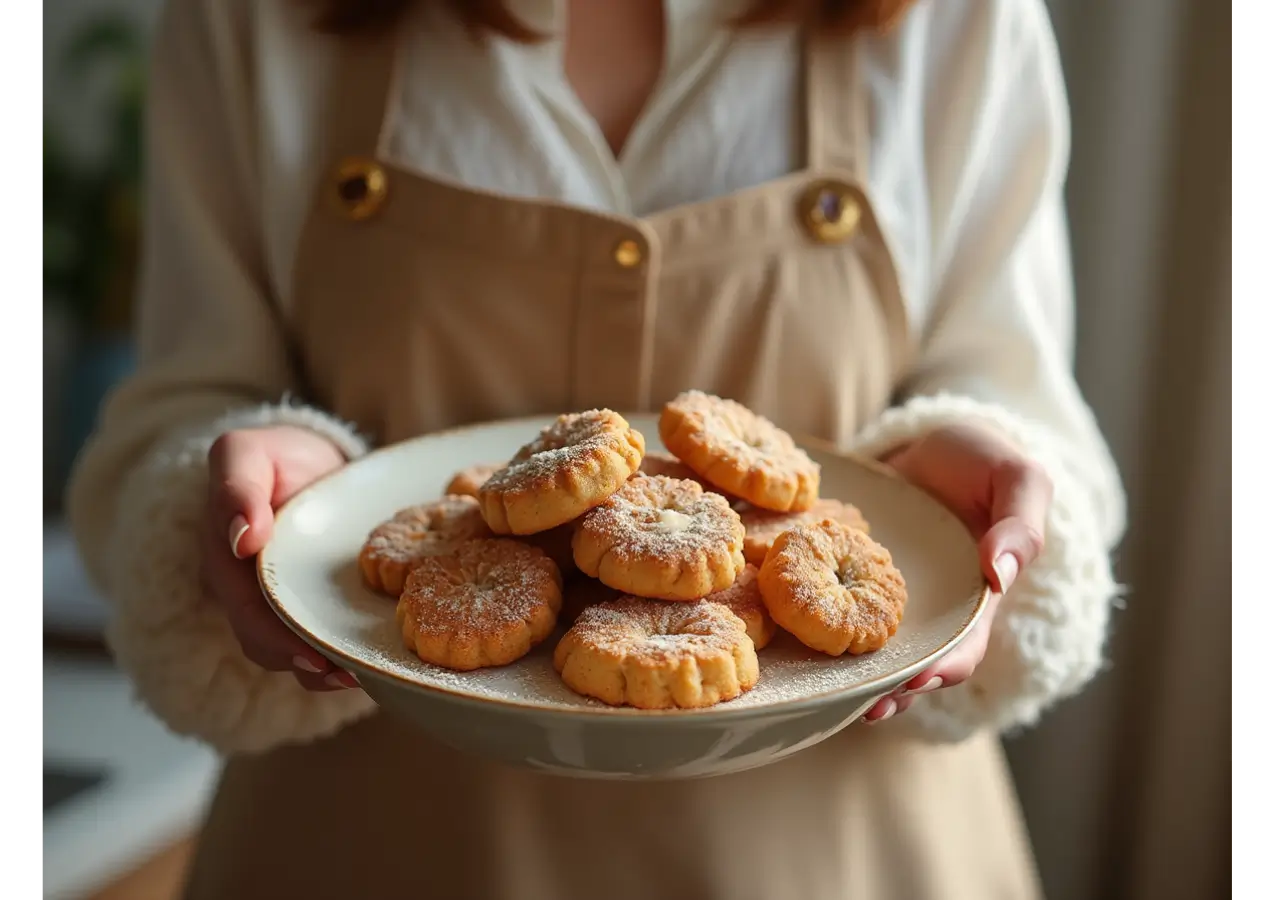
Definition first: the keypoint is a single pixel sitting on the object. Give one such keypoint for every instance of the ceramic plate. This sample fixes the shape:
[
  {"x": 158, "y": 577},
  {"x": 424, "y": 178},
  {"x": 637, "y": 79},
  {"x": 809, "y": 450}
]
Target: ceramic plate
[{"x": 523, "y": 713}]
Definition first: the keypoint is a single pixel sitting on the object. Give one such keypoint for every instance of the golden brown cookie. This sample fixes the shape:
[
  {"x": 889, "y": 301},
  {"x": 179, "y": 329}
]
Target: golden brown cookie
[
  {"x": 467, "y": 481},
  {"x": 556, "y": 543},
  {"x": 581, "y": 592},
  {"x": 663, "y": 538},
  {"x": 486, "y": 604},
  {"x": 739, "y": 452},
  {"x": 656, "y": 463},
  {"x": 574, "y": 464},
  {"x": 833, "y": 587},
  {"x": 397, "y": 546},
  {"x": 654, "y": 655},
  {"x": 761, "y": 526},
  {"x": 743, "y": 598}
]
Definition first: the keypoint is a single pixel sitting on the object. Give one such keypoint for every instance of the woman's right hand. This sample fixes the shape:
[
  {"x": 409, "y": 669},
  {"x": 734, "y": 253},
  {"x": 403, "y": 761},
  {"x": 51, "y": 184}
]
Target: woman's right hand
[{"x": 251, "y": 472}]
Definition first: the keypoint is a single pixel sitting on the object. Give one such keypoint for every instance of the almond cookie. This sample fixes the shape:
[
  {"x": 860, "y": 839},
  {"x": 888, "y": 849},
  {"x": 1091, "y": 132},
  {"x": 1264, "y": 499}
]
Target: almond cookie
[
  {"x": 575, "y": 464},
  {"x": 652, "y": 655},
  {"x": 663, "y": 538},
  {"x": 467, "y": 481},
  {"x": 761, "y": 526},
  {"x": 739, "y": 452},
  {"x": 486, "y": 604},
  {"x": 833, "y": 587},
  {"x": 743, "y": 598},
  {"x": 396, "y": 547}
]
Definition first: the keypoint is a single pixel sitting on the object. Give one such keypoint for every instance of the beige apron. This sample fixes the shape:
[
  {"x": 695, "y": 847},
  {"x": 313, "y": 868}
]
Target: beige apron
[{"x": 421, "y": 305}]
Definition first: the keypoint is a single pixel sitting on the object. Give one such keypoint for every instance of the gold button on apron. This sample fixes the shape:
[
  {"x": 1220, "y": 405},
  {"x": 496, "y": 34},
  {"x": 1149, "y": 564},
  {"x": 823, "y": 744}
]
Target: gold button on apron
[
  {"x": 627, "y": 253},
  {"x": 361, "y": 187},
  {"x": 830, "y": 212}
]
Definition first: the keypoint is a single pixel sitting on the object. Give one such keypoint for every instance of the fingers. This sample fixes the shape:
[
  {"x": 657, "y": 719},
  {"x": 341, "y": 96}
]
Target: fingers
[
  {"x": 320, "y": 683},
  {"x": 1021, "y": 495},
  {"x": 951, "y": 670},
  {"x": 242, "y": 484},
  {"x": 262, "y": 635},
  {"x": 1003, "y": 499},
  {"x": 241, "y": 481},
  {"x": 264, "y": 638},
  {"x": 958, "y": 665}
]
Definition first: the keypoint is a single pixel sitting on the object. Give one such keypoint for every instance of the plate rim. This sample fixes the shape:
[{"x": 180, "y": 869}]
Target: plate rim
[{"x": 614, "y": 714}]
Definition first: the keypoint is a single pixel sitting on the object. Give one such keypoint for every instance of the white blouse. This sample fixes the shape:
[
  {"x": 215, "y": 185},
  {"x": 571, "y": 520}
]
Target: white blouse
[{"x": 968, "y": 152}]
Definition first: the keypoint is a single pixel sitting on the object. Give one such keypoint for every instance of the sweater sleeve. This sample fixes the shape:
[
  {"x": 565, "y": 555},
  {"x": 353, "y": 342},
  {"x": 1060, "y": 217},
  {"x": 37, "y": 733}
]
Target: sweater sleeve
[
  {"x": 996, "y": 350},
  {"x": 213, "y": 356}
]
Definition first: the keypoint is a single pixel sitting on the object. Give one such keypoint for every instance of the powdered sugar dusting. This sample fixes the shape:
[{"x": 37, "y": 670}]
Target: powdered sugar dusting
[
  {"x": 762, "y": 523},
  {"x": 742, "y": 433},
  {"x": 789, "y": 672},
  {"x": 428, "y": 529},
  {"x": 744, "y": 596},
  {"x": 634, "y": 627},
  {"x": 838, "y": 580},
  {"x": 664, "y": 519},
  {"x": 485, "y": 587},
  {"x": 571, "y": 441},
  {"x": 666, "y": 464}
]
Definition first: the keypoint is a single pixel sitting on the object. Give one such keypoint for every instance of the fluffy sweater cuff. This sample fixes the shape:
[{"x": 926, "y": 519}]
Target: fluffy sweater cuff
[
  {"x": 171, "y": 639},
  {"x": 1048, "y": 637}
]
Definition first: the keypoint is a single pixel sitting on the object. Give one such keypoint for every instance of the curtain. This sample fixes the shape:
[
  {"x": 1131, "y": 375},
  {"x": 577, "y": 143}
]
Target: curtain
[{"x": 1127, "y": 788}]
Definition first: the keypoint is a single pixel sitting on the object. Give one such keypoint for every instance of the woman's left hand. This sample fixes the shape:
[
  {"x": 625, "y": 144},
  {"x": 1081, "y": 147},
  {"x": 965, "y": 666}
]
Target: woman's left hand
[{"x": 1002, "y": 497}]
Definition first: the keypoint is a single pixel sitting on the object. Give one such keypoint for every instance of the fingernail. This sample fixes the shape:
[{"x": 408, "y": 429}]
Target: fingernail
[
  {"x": 1006, "y": 566},
  {"x": 341, "y": 680},
  {"x": 890, "y": 708},
  {"x": 932, "y": 685},
  {"x": 305, "y": 665},
  {"x": 238, "y": 528}
]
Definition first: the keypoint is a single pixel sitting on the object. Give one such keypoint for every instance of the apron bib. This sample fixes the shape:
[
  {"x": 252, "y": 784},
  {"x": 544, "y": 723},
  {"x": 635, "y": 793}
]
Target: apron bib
[{"x": 421, "y": 305}]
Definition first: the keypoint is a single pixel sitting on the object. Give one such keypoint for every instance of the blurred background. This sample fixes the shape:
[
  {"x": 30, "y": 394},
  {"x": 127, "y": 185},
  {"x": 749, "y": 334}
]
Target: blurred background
[{"x": 1126, "y": 789}]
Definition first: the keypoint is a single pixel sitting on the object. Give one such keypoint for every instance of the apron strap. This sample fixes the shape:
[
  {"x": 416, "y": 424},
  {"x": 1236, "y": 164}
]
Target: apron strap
[
  {"x": 836, "y": 107},
  {"x": 358, "y": 107},
  {"x": 838, "y": 123}
]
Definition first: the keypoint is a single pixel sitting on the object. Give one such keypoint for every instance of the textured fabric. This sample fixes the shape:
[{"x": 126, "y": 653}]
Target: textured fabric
[
  {"x": 171, "y": 640},
  {"x": 860, "y": 815}
]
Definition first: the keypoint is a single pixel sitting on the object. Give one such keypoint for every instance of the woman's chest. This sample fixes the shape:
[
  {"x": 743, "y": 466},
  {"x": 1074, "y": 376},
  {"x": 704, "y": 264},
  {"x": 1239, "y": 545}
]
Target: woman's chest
[{"x": 715, "y": 115}]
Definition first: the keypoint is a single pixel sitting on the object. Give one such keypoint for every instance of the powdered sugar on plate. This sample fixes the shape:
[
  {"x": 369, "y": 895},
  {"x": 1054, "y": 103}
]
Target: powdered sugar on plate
[{"x": 790, "y": 672}]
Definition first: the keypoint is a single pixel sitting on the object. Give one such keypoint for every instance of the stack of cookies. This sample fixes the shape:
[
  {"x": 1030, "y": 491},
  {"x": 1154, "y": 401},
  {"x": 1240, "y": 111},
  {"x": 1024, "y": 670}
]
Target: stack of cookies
[{"x": 676, "y": 569}]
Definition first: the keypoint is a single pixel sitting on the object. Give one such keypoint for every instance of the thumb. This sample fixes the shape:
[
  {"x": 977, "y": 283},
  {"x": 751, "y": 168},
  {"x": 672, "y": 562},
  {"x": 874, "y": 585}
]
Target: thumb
[
  {"x": 241, "y": 483},
  {"x": 1021, "y": 496}
]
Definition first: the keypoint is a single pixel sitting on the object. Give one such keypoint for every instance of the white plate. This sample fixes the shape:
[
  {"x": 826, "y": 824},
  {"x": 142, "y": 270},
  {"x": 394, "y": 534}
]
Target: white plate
[{"x": 523, "y": 713}]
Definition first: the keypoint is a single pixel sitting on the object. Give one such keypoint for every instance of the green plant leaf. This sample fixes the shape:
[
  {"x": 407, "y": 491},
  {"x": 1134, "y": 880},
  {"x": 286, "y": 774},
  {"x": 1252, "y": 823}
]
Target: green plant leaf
[
  {"x": 105, "y": 38},
  {"x": 90, "y": 234}
]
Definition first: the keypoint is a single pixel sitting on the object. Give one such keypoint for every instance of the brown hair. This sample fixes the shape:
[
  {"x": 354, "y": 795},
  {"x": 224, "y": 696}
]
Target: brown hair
[{"x": 840, "y": 16}]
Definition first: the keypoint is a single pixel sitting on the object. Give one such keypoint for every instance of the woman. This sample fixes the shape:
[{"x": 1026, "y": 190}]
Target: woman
[{"x": 369, "y": 221}]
